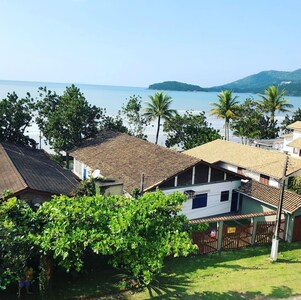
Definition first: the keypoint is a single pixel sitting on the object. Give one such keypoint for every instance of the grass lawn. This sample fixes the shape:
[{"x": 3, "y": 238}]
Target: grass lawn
[{"x": 242, "y": 274}]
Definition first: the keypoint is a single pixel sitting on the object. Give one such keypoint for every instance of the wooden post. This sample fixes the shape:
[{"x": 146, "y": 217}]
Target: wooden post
[
  {"x": 220, "y": 225},
  {"x": 254, "y": 231}
]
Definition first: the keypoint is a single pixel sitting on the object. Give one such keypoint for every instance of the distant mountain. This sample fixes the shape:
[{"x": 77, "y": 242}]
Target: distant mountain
[
  {"x": 175, "y": 86},
  {"x": 257, "y": 83}
]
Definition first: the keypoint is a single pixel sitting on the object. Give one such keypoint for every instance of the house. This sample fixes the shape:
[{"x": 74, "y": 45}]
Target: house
[
  {"x": 260, "y": 198},
  {"x": 31, "y": 175},
  {"x": 145, "y": 166},
  {"x": 265, "y": 166},
  {"x": 292, "y": 142}
]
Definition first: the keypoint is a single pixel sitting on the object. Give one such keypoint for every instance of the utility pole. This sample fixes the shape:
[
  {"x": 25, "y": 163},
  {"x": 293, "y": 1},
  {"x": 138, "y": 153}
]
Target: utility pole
[
  {"x": 142, "y": 184},
  {"x": 275, "y": 241}
]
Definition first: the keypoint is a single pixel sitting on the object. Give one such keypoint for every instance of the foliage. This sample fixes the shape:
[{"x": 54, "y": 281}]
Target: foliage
[
  {"x": 137, "y": 122},
  {"x": 17, "y": 223},
  {"x": 252, "y": 124},
  {"x": 295, "y": 185},
  {"x": 7, "y": 194},
  {"x": 273, "y": 100},
  {"x": 114, "y": 123},
  {"x": 137, "y": 234},
  {"x": 66, "y": 120},
  {"x": 296, "y": 116},
  {"x": 226, "y": 108},
  {"x": 189, "y": 130},
  {"x": 86, "y": 188},
  {"x": 159, "y": 108},
  {"x": 15, "y": 117}
]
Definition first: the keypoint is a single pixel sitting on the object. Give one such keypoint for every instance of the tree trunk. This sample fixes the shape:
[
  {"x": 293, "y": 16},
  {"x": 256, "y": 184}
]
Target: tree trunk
[
  {"x": 158, "y": 129},
  {"x": 45, "y": 276}
]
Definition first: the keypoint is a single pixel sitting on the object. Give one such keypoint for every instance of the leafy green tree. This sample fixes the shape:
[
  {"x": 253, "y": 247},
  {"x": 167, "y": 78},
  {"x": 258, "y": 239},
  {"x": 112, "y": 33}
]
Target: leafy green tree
[
  {"x": 273, "y": 100},
  {"x": 225, "y": 108},
  {"x": 114, "y": 123},
  {"x": 136, "y": 234},
  {"x": 137, "y": 121},
  {"x": 189, "y": 130},
  {"x": 296, "y": 116},
  {"x": 248, "y": 123},
  {"x": 17, "y": 223},
  {"x": 159, "y": 108},
  {"x": 66, "y": 120},
  {"x": 16, "y": 115}
]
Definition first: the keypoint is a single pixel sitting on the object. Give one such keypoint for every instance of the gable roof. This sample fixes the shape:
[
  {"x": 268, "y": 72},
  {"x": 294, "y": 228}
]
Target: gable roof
[
  {"x": 270, "y": 195},
  {"x": 126, "y": 158},
  {"x": 267, "y": 162},
  {"x": 24, "y": 168},
  {"x": 295, "y": 143},
  {"x": 295, "y": 125}
]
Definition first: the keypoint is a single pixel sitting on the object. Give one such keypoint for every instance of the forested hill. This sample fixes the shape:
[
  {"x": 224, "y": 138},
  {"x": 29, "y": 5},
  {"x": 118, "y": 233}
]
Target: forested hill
[
  {"x": 257, "y": 83},
  {"x": 175, "y": 86}
]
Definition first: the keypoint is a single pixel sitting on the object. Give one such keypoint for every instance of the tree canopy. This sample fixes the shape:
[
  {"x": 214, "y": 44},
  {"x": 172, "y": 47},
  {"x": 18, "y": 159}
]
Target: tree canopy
[
  {"x": 133, "y": 113},
  {"x": 159, "y": 108},
  {"x": 189, "y": 130},
  {"x": 16, "y": 115},
  {"x": 225, "y": 108},
  {"x": 273, "y": 100},
  {"x": 136, "y": 234},
  {"x": 66, "y": 120}
]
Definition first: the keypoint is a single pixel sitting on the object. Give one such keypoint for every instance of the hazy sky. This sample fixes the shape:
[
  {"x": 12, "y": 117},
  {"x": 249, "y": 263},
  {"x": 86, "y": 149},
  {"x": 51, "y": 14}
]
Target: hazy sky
[{"x": 139, "y": 42}]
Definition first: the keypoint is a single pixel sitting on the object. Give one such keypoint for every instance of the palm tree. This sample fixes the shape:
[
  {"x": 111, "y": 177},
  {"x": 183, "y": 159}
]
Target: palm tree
[
  {"x": 273, "y": 101},
  {"x": 225, "y": 108},
  {"x": 159, "y": 107}
]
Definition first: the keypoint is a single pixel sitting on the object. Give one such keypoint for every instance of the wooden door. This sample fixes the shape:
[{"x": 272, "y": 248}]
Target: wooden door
[{"x": 297, "y": 229}]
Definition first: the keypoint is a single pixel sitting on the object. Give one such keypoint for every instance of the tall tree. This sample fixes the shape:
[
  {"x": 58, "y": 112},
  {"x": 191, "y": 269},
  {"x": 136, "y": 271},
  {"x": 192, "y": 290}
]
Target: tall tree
[
  {"x": 16, "y": 115},
  {"x": 247, "y": 125},
  {"x": 296, "y": 116},
  {"x": 273, "y": 100},
  {"x": 225, "y": 108},
  {"x": 66, "y": 120},
  {"x": 159, "y": 108},
  {"x": 189, "y": 130},
  {"x": 136, "y": 120}
]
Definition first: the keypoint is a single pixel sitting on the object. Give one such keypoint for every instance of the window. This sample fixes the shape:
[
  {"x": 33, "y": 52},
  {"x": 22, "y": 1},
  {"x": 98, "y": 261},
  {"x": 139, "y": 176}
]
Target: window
[
  {"x": 199, "y": 201},
  {"x": 201, "y": 174},
  {"x": 224, "y": 196}
]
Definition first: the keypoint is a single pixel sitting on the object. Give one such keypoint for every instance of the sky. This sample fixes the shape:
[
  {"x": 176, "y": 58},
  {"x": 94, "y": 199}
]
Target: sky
[{"x": 140, "y": 42}]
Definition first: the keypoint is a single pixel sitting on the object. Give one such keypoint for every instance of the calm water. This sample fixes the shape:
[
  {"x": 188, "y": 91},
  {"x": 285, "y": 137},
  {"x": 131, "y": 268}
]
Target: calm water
[{"x": 113, "y": 97}]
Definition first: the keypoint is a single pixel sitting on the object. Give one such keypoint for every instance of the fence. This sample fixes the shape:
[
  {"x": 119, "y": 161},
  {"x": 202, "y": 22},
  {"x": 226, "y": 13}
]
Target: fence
[{"x": 229, "y": 236}]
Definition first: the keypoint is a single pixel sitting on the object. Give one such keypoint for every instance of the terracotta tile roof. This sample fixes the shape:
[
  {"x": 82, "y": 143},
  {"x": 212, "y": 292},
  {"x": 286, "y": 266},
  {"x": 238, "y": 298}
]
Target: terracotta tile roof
[
  {"x": 23, "y": 167},
  {"x": 267, "y": 162},
  {"x": 295, "y": 125},
  {"x": 125, "y": 158},
  {"x": 270, "y": 195},
  {"x": 232, "y": 217},
  {"x": 295, "y": 143}
]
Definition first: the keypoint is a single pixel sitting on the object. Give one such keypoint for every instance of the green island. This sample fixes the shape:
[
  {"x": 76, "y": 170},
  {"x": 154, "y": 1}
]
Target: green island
[{"x": 176, "y": 86}]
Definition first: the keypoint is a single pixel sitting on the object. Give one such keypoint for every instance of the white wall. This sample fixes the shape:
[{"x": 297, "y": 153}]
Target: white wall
[{"x": 214, "y": 205}]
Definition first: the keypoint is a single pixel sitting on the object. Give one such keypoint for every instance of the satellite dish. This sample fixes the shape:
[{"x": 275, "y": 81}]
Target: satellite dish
[{"x": 96, "y": 173}]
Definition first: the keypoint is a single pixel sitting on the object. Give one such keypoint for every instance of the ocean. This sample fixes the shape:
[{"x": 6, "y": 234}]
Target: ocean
[{"x": 113, "y": 97}]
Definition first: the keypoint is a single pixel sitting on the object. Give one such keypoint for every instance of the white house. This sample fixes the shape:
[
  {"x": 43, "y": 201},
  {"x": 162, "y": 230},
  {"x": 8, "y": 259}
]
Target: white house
[
  {"x": 145, "y": 166},
  {"x": 292, "y": 142},
  {"x": 265, "y": 166}
]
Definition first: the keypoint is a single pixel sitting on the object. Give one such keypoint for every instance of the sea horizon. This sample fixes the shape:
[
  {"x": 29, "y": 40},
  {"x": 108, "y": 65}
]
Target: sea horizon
[{"x": 112, "y": 98}]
